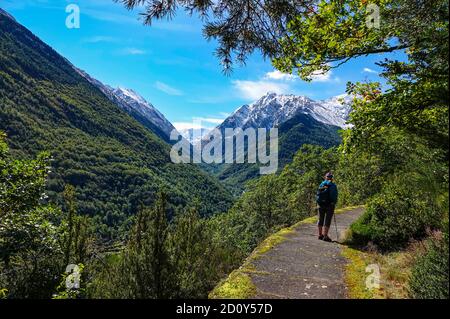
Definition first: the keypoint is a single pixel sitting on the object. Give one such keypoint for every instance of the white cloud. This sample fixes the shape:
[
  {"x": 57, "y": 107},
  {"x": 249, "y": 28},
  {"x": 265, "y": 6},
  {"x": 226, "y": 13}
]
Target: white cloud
[
  {"x": 253, "y": 90},
  {"x": 368, "y": 70},
  {"x": 317, "y": 76},
  {"x": 163, "y": 87},
  {"x": 207, "y": 123},
  {"x": 100, "y": 38},
  {"x": 321, "y": 76},
  {"x": 182, "y": 126},
  {"x": 278, "y": 75},
  {"x": 132, "y": 51}
]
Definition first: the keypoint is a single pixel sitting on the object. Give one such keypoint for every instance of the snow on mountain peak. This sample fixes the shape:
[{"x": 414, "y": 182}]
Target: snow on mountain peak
[
  {"x": 273, "y": 109},
  {"x": 130, "y": 94},
  {"x": 132, "y": 103}
]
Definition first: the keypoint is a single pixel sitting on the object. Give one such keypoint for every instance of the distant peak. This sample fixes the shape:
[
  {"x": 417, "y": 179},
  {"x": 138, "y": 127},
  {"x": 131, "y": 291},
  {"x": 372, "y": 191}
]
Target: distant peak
[
  {"x": 340, "y": 99},
  {"x": 131, "y": 94},
  {"x": 270, "y": 94}
]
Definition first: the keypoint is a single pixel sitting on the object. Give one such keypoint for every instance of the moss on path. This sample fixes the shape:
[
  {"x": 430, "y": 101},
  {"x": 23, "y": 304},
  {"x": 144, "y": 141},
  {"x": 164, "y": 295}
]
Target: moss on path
[{"x": 293, "y": 263}]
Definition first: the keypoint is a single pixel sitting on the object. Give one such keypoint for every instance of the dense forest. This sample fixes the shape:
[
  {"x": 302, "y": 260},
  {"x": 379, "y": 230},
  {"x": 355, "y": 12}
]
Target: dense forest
[
  {"x": 115, "y": 163},
  {"x": 394, "y": 160}
]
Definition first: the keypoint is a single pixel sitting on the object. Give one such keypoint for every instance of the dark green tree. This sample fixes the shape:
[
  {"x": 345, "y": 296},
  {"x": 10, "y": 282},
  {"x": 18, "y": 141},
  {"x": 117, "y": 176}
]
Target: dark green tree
[
  {"x": 145, "y": 268},
  {"x": 196, "y": 259},
  {"x": 30, "y": 256},
  {"x": 77, "y": 231},
  {"x": 240, "y": 26}
]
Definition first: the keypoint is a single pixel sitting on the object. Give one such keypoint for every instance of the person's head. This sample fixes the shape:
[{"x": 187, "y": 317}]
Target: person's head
[{"x": 329, "y": 176}]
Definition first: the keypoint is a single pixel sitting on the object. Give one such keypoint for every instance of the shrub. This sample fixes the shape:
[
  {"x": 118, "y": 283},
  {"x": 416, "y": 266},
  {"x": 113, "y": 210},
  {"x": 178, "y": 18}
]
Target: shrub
[
  {"x": 429, "y": 278},
  {"x": 400, "y": 212}
]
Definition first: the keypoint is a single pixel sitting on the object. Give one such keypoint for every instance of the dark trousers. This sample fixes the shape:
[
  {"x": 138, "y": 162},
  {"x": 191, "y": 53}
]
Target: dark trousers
[{"x": 325, "y": 215}]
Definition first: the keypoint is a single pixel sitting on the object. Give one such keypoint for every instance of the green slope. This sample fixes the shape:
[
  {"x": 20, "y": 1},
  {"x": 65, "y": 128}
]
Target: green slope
[
  {"x": 299, "y": 130},
  {"x": 115, "y": 163}
]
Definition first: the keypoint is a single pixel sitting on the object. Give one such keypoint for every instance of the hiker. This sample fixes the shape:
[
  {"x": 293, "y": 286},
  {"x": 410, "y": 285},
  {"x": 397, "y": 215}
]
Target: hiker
[{"x": 327, "y": 196}]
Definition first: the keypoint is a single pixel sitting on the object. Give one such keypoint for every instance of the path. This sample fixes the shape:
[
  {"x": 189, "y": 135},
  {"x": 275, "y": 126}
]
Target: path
[{"x": 303, "y": 266}]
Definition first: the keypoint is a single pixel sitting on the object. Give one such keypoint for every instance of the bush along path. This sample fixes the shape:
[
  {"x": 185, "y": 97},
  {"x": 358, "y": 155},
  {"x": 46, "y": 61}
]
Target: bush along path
[{"x": 293, "y": 263}]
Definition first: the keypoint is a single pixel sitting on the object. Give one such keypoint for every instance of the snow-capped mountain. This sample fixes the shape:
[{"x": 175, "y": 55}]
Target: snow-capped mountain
[
  {"x": 273, "y": 109},
  {"x": 334, "y": 111},
  {"x": 193, "y": 135},
  {"x": 135, "y": 105},
  {"x": 139, "y": 104}
]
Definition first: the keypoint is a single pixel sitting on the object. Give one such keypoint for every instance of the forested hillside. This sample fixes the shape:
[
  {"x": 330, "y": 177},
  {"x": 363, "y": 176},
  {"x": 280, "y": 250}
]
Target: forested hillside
[
  {"x": 102, "y": 167},
  {"x": 293, "y": 134},
  {"x": 114, "y": 162}
]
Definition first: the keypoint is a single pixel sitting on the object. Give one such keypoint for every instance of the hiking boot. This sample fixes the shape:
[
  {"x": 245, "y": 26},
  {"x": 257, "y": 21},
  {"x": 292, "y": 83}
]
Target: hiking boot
[
  {"x": 326, "y": 238},
  {"x": 320, "y": 237}
]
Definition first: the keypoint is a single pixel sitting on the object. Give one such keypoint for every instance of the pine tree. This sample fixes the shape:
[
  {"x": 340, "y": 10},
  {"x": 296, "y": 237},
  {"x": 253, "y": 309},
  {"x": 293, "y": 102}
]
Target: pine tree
[
  {"x": 240, "y": 27},
  {"x": 146, "y": 269}
]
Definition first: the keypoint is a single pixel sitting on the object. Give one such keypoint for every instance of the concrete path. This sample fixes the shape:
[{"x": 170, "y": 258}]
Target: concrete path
[{"x": 302, "y": 266}]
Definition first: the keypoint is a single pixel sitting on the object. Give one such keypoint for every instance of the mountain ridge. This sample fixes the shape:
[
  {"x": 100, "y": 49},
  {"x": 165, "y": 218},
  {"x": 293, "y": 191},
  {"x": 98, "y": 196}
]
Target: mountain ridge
[
  {"x": 299, "y": 119},
  {"x": 114, "y": 162},
  {"x": 273, "y": 109},
  {"x": 135, "y": 105}
]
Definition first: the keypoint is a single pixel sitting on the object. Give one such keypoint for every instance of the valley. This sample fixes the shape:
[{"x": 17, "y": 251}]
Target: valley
[{"x": 97, "y": 201}]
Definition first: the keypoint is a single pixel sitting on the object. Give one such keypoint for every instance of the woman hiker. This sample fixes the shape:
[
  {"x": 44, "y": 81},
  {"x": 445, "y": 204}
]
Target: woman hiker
[{"x": 327, "y": 196}]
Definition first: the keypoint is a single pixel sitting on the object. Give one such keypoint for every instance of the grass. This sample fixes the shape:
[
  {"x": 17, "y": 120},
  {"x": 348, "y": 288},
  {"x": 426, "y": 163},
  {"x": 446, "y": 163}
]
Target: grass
[
  {"x": 239, "y": 285},
  {"x": 395, "y": 270},
  {"x": 355, "y": 275}
]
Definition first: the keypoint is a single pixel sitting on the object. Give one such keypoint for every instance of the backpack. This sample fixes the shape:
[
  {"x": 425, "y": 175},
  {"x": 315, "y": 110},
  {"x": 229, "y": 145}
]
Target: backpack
[{"x": 323, "y": 196}]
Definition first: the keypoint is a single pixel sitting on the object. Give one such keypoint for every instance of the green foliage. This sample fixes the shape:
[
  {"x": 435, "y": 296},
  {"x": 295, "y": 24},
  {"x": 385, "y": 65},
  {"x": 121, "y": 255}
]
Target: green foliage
[
  {"x": 275, "y": 201},
  {"x": 178, "y": 260},
  {"x": 429, "y": 278},
  {"x": 399, "y": 213},
  {"x": 77, "y": 231},
  {"x": 3, "y": 293},
  {"x": 29, "y": 247},
  {"x": 37, "y": 241},
  {"x": 293, "y": 134},
  {"x": 29, "y": 235},
  {"x": 199, "y": 260},
  {"x": 114, "y": 163},
  {"x": 404, "y": 184},
  {"x": 77, "y": 291},
  {"x": 145, "y": 270}
]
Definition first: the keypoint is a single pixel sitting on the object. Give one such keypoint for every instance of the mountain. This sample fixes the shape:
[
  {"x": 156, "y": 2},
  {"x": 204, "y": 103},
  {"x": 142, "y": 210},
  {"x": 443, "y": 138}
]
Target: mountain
[
  {"x": 135, "y": 105},
  {"x": 272, "y": 109},
  {"x": 193, "y": 135},
  {"x": 292, "y": 134},
  {"x": 115, "y": 162},
  {"x": 300, "y": 120}
]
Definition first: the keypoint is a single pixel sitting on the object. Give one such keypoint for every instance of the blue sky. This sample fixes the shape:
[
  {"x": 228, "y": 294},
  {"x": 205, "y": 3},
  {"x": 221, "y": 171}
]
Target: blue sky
[{"x": 170, "y": 63}]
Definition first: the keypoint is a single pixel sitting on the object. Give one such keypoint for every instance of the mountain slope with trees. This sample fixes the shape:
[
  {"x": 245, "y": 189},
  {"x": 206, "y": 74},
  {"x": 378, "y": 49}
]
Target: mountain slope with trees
[
  {"x": 395, "y": 157},
  {"x": 292, "y": 135},
  {"x": 395, "y": 160},
  {"x": 115, "y": 163}
]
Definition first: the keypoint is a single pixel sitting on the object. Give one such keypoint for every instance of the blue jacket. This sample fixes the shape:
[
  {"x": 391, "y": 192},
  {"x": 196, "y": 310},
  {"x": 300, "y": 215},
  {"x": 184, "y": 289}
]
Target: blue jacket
[{"x": 332, "y": 189}]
